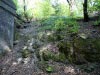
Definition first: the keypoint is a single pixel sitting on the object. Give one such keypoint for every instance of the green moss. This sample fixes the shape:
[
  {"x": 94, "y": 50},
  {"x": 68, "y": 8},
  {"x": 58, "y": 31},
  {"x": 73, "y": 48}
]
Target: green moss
[
  {"x": 84, "y": 50},
  {"x": 42, "y": 65},
  {"x": 62, "y": 57},
  {"x": 96, "y": 23},
  {"x": 49, "y": 69},
  {"x": 17, "y": 36},
  {"x": 90, "y": 48},
  {"x": 55, "y": 57},
  {"x": 26, "y": 53},
  {"x": 81, "y": 44},
  {"x": 96, "y": 44},
  {"x": 48, "y": 55},
  {"x": 63, "y": 46},
  {"x": 51, "y": 38}
]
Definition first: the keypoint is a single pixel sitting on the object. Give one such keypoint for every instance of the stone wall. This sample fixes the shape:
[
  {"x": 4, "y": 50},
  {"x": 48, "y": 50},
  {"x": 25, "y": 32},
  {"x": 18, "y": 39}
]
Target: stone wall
[{"x": 6, "y": 27}]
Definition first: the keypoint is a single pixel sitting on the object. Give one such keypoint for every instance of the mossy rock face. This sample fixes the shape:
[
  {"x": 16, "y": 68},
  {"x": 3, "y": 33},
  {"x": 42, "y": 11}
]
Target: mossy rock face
[
  {"x": 87, "y": 44},
  {"x": 54, "y": 37},
  {"x": 17, "y": 36},
  {"x": 55, "y": 57},
  {"x": 26, "y": 53},
  {"x": 93, "y": 57},
  {"x": 84, "y": 50},
  {"x": 96, "y": 44},
  {"x": 50, "y": 36},
  {"x": 63, "y": 45},
  {"x": 51, "y": 52},
  {"x": 81, "y": 44},
  {"x": 90, "y": 48}
]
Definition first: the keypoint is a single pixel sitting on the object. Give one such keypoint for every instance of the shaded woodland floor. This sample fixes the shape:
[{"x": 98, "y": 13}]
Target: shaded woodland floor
[{"x": 14, "y": 64}]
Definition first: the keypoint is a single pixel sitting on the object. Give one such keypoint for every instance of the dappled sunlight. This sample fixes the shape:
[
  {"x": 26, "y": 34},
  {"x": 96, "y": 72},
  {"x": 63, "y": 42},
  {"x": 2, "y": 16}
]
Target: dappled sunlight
[
  {"x": 25, "y": 61},
  {"x": 51, "y": 37},
  {"x": 14, "y": 64},
  {"x": 5, "y": 46},
  {"x": 69, "y": 70},
  {"x": 50, "y": 33},
  {"x": 19, "y": 60},
  {"x": 30, "y": 3},
  {"x": 49, "y": 47}
]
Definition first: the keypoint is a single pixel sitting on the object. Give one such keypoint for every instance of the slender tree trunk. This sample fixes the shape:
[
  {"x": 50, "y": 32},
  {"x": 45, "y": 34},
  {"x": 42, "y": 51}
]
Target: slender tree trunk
[
  {"x": 86, "y": 18},
  {"x": 25, "y": 15},
  {"x": 72, "y": 6},
  {"x": 24, "y": 6}
]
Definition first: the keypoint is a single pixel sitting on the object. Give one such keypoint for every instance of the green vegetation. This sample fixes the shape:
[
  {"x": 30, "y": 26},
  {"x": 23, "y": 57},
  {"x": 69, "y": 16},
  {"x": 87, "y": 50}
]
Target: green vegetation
[
  {"x": 61, "y": 25},
  {"x": 49, "y": 69},
  {"x": 97, "y": 23},
  {"x": 25, "y": 53},
  {"x": 52, "y": 37},
  {"x": 43, "y": 9},
  {"x": 58, "y": 21}
]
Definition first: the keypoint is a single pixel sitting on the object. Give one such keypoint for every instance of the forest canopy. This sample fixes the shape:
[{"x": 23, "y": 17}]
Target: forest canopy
[{"x": 46, "y": 8}]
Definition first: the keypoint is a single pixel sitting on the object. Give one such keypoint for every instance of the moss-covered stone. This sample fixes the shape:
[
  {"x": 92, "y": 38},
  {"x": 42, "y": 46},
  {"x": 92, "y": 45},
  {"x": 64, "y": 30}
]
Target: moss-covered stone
[
  {"x": 55, "y": 57},
  {"x": 90, "y": 48},
  {"x": 50, "y": 52},
  {"x": 83, "y": 50},
  {"x": 26, "y": 53},
  {"x": 17, "y": 36}
]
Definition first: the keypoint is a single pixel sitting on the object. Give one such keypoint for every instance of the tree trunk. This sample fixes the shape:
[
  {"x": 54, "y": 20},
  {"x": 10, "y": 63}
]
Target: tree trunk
[
  {"x": 25, "y": 15},
  {"x": 72, "y": 6},
  {"x": 86, "y": 18}
]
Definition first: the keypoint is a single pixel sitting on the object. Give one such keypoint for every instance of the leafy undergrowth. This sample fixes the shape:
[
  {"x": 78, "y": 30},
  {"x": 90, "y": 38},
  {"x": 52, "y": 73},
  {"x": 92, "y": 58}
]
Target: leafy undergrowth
[
  {"x": 59, "y": 23},
  {"x": 61, "y": 34},
  {"x": 43, "y": 48}
]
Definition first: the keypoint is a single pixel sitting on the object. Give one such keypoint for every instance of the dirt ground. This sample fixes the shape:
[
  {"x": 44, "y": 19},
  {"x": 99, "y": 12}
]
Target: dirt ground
[{"x": 14, "y": 64}]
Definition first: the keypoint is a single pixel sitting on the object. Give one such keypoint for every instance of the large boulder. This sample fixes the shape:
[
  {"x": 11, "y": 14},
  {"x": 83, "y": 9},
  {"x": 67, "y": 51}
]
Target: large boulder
[
  {"x": 81, "y": 50},
  {"x": 90, "y": 48}
]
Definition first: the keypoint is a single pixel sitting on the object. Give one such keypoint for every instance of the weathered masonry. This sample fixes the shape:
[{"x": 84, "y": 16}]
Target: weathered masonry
[{"x": 6, "y": 25}]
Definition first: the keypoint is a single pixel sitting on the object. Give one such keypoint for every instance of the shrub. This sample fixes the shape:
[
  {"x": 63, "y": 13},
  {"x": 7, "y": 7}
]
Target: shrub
[
  {"x": 72, "y": 26},
  {"x": 96, "y": 23},
  {"x": 60, "y": 23}
]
